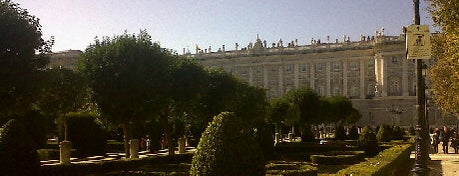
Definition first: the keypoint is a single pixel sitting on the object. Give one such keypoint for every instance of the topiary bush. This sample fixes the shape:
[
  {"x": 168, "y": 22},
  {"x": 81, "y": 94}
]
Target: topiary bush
[
  {"x": 86, "y": 136},
  {"x": 306, "y": 134},
  {"x": 384, "y": 133},
  {"x": 367, "y": 142},
  {"x": 18, "y": 156},
  {"x": 397, "y": 133},
  {"x": 340, "y": 134},
  {"x": 353, "y": 133},
  {"x": 263, "y": 135},
  {"x": 227, "y": 147},
  {"x": 411, "y": 131}
]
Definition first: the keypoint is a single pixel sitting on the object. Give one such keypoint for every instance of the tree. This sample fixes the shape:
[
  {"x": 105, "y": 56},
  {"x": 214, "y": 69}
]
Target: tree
[
  {"x": 309, "y": 108},
  {"x": 226, "y": 93},
  {"x": 128, "y": 76},
  {"x": 282, "y": 111},
  {"x": 186, "y": 85},
  {"x": 20, "y": 35},
  {"x": 444, "y": 76},
  {"x": 65, "y": 91},
  {"x": 340, "y": 108}
]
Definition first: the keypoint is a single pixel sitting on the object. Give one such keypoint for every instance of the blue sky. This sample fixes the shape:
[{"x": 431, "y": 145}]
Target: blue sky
[{"x": 178, "y": 24}]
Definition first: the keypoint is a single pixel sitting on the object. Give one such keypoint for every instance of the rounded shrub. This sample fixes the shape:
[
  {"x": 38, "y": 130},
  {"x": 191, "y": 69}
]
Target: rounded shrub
[
  {"x": 18, "y": 156},
  {"x": 263, "y": 135},
  {"x": 397, "y": 133},
  {"x": 384, "y": 133},
  {"x": 86, "y": 136},
  {"x": 367, "y": 142},
  {"x": 306, "y": 134},
  {"x": 227, "y": 147},
  {"x": 340, "y": 134},
  {"x": 411, "y": 131},
  {"x": 353, "y": 133}
]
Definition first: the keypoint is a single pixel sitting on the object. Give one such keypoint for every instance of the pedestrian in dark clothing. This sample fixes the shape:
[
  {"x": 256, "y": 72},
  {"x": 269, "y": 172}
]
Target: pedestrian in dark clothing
[
  {"x": 435, "y": 142},
  {"x": 455, "y": 142},
  {"x": 444, "y": 137}
]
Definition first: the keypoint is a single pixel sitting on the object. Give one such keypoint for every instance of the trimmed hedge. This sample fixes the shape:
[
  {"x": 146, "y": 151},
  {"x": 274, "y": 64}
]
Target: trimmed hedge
[
  {"x": 388, "y": 162},
  {"x": 86, "y": 135},
  {"x": 104, "y": 167},
  {"x": 290, "y": 169},
  {"x": 18, "y": 156},
  {"x": 337, "y": 159}
]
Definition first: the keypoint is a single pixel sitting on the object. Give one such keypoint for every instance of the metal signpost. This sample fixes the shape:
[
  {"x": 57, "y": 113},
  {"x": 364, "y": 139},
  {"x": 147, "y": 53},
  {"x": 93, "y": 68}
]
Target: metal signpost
[{"x": 418, "y": 48}]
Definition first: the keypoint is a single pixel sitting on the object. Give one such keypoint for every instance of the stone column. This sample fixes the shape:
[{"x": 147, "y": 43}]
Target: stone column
[
  {"x": 281, "y": 81},
  {"x": 312, "y": 75},
  {"x": 250, "y": 70},
  {"x": 181, "y": 145},
  {"x": 345, "y": 92},
  {"x": 296, "y": 76},
  {"x": 328, "y": 79},
  {"x": 405, "y": 83},
  {"x": 65, "y": 152},
  {"x": 362, "y": 79},
  {"x": 265, "y": 77},
  {"x": 134, "y": 148},
  {"x": 385, "y": 87}
]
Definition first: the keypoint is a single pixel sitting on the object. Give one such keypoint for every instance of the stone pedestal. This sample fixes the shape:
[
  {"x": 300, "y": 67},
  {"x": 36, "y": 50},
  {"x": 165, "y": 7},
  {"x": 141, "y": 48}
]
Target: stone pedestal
[
  {"x": 181, "y": 145},
  {"x": 134, "y": 148},
  {"x": 276, "y": 138},
  {"x": 65, "y": 152}
]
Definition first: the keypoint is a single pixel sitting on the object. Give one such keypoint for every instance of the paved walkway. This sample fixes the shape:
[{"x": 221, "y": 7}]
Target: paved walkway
[
  {"x": 112, "y": 156},
  {"x": 444, "y": 164}
]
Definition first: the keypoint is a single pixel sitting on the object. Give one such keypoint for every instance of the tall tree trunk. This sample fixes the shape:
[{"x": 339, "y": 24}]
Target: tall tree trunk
[
  {"x": 127, "y": 137},
  {"x": 164, "y": 120}
]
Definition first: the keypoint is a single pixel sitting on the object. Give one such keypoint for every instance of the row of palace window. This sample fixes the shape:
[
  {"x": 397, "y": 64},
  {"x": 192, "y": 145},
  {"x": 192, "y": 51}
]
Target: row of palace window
[{"x": 336, "y": 66}]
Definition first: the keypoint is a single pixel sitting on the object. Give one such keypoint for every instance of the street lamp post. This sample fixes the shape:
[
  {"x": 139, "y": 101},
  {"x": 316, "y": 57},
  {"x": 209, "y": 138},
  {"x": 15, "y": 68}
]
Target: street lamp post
[{"x": 422, "y": 136}]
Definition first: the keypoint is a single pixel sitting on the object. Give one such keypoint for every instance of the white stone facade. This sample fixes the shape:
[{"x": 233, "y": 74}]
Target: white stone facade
[{"x": 374, "y": 74}]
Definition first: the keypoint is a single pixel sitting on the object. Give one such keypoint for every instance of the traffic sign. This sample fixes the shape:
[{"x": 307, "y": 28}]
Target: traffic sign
[{"x": 418, "y": 44}]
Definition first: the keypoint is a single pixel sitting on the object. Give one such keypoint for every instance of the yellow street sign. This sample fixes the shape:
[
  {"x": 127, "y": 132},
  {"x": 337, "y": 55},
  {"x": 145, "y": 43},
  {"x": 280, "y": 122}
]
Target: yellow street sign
[{"x": 418, "y": 44}]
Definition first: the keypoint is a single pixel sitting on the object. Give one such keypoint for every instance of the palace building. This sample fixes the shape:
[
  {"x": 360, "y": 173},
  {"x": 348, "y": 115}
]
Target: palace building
[{"x": 372, "y": 72}]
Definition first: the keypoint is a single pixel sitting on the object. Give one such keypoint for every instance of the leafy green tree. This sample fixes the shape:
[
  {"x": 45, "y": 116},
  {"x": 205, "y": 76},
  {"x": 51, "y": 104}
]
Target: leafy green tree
[
  {"x": 444, "y": 76},
  {"x": 65, "y": 91},
  {"x": 340, "y": 108},
  {"x": 226, "y": 93},
  {"x": 187, "y": 84},
  {"x": 129, "y": 76},
  {"x": 20, "y": 35},
  {"x": 309, "y": 107},
  {"x": 282, "y": 111}
]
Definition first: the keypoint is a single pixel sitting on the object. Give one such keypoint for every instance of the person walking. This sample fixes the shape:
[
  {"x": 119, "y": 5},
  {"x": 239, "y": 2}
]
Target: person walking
[
  {"x": 444, "y": 137},
  {"x": 435, "y": 141},
  {"x": 455, "y": 141}
]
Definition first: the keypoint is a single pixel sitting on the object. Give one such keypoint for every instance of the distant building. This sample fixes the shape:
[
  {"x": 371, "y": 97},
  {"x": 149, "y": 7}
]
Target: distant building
[
  {"x": 373, "y": 72},
  {"x": 66, "y": 59}
]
